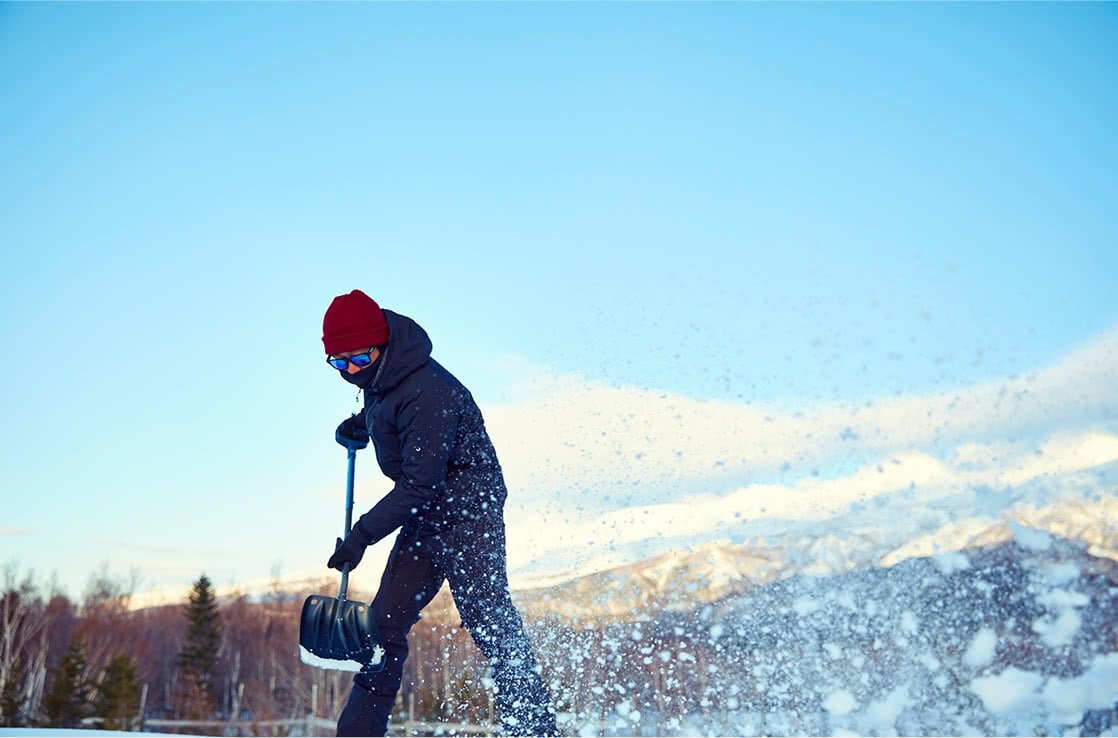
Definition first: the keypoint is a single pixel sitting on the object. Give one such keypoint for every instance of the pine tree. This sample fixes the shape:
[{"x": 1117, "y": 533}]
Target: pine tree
[
  {"x": 119, "y": 699},
  {"x": 67, "y": 702},
  {"x": 198, "y": 657},
  {"x": 11, "y": 697}
]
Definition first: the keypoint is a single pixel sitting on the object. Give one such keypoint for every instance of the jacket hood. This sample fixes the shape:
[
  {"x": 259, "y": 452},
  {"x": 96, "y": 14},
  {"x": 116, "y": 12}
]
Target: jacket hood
[{"x": 408, "y": 349}]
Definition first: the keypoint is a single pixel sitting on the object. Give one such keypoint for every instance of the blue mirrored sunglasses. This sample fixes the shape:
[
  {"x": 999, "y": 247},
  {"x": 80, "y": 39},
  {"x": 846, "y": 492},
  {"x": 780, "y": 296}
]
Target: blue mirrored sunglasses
[{"x": 360, "y": 361}]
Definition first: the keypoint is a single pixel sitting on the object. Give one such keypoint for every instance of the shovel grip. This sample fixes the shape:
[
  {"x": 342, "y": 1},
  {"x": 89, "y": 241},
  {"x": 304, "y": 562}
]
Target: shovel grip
[{"x": 345, "y": 582}]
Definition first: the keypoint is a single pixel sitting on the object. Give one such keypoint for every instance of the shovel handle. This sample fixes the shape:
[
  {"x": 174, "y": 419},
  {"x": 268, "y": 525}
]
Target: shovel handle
[
  {"x": 352, "y": 461},
  {"x": 352, "y": 454}
]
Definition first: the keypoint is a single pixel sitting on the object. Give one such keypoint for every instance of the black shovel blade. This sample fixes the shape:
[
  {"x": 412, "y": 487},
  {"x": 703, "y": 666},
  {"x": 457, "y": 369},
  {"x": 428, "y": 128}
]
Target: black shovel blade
[{"x": 340, "y": 630}]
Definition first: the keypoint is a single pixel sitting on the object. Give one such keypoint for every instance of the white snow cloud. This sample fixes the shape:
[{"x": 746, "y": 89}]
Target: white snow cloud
[
  {"x": 933, "y": 507},
  {"x": 611, "y": 471},
  {"x": 575, "y": 434}
]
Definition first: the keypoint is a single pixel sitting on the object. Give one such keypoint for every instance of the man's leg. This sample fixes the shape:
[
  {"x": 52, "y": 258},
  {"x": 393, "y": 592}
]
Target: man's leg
[
  {"x": 410, "y": 580},
  {"x": 474, "y": 563}
]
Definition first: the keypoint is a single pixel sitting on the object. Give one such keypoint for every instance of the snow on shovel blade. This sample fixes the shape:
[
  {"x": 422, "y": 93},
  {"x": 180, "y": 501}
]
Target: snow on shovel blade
[{"x": 336, "y": 633}]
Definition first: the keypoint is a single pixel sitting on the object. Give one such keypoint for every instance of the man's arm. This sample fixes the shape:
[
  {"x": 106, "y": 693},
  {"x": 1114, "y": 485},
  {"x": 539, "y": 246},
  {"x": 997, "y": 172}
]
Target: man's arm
[{"x": 427, "y": 423}]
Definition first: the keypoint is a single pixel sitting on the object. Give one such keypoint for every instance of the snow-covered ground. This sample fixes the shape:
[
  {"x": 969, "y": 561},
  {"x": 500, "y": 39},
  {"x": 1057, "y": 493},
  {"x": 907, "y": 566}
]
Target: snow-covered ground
[{"x": 64, "y": 733}]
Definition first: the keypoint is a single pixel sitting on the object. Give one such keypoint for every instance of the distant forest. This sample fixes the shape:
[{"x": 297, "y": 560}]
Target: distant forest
[{"x": 235, "y": 659}]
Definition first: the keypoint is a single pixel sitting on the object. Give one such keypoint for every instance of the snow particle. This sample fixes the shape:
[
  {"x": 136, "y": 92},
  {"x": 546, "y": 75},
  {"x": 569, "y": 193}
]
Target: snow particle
[
  {"x": 840, "y": 702},
  {"x": 1030, "y": 538},
  {"x": 805, "y": 606},
  {"x": 949, "y": 563},
  {"x": 1059, "y": 632},
  {"x": 981, "y": 650},
  {"x": 1010, "y": 691},
  {"x": 909, "y": 623}
]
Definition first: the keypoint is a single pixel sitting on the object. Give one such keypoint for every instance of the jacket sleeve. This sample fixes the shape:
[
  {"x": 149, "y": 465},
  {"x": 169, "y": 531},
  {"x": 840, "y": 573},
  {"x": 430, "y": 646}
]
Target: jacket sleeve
[{"x": 427, "y": 423}]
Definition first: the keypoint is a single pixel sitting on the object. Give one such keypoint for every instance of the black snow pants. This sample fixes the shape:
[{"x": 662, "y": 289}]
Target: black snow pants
[{"x": 471, "y": 556}]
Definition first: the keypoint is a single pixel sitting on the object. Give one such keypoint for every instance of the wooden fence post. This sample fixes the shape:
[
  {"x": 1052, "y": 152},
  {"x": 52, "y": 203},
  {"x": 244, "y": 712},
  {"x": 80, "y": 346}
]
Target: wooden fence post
[
  {"x": 139, "y": 724},
  {"x": 312, "y": 728}
]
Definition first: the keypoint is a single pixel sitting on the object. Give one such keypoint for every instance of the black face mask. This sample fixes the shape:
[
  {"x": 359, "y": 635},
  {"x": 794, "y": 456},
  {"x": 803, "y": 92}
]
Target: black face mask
[{"x": 364, "y": 378}]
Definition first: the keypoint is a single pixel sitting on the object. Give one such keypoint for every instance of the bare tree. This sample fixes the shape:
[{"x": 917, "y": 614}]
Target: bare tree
[{"x": 24, "y": 623}]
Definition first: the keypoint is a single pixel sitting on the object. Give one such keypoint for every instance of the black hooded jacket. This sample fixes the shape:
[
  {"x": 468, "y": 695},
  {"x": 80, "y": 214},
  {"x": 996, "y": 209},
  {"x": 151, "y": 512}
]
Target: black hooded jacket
[{"x": 429, "y": 438}]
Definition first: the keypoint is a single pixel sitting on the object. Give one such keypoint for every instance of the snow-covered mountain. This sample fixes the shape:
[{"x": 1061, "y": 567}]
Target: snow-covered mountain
[
  {"x": 682, "y": 579},
  {"x": 673, "y": 581},
  {"x": 906, "y": 504}
]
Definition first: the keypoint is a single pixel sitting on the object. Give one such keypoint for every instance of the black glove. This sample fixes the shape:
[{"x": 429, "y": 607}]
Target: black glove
[
  {"x": 349, "y": 552},
  {"x": 352, "y": 432}
]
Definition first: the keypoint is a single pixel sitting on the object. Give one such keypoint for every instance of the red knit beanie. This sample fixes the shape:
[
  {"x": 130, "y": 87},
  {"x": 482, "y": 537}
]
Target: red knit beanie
[{"x": 353, "y": 322}]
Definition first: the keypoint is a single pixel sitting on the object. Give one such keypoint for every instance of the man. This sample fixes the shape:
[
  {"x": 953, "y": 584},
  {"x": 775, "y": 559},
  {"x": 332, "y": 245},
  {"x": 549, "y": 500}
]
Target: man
[{"x": 448, "y": 502}]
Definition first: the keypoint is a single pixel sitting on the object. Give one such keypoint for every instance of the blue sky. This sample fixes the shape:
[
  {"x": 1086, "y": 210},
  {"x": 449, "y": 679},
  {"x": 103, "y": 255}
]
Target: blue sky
[{"x": 774, "y": 204}]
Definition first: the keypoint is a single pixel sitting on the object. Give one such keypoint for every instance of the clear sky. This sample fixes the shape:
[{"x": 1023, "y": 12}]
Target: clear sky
[{"x": 777, "y": 205}]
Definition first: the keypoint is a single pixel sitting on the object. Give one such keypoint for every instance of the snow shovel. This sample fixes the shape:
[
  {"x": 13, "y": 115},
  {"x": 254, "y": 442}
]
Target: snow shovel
[{"x": 336, "y": 633}]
